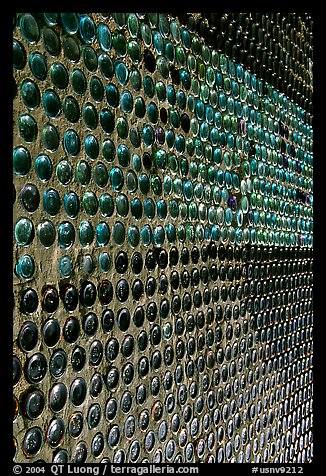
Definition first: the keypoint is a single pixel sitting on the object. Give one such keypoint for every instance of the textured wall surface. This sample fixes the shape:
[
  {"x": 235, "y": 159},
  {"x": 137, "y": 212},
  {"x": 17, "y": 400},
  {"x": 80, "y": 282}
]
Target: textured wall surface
[{"x": 162, "y": 238}]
